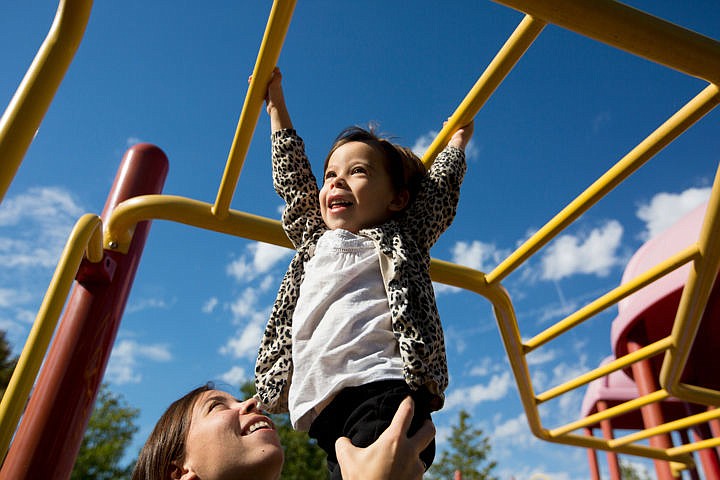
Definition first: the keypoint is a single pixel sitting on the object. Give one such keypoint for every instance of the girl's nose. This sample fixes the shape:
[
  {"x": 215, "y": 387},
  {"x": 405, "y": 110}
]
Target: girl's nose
[{"x": 339, "y": 182}]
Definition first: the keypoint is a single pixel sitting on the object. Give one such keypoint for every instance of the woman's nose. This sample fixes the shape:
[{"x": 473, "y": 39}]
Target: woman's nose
[{"x": 249, "y": 406}]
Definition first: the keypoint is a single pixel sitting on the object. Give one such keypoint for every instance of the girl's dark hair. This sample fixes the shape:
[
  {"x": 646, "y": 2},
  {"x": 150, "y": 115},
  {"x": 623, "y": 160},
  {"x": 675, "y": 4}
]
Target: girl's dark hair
[
  {"x": 166, "y": 443},
  {"x": 405, "y": 169}
]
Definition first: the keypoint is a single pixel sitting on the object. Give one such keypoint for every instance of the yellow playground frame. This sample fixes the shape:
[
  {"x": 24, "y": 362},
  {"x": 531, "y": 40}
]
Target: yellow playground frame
[{"x": 606, "y": 21}]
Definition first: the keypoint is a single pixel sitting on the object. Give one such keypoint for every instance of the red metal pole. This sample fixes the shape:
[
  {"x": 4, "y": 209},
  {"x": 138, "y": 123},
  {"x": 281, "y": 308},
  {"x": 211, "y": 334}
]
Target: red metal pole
[
  {"x": 652, "y": 415},
  {"x": 592, "y": 458},
  {"x": 607, "y": 430},
  {"x": 49, "y": 436}
]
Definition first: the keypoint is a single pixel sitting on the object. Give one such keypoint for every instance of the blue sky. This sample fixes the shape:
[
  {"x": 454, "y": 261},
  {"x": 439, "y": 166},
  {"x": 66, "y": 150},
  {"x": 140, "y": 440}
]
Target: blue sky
[{"x": 174, "y": 74}]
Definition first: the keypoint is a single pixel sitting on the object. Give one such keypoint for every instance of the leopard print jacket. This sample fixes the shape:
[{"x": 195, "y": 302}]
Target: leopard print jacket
[{"x": 404, "y": 245}]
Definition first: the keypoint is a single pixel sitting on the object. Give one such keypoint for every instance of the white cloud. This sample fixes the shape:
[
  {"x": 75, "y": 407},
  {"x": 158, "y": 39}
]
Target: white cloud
[
  {"x": 424, "y": 141},
  {"x": 664, "y": 209},
  {"x": 595, "y": 254},
  {"x": 478, "y": 255},
  {"x": 245, "y": 343},
  {"x": 514, "y": 431},
  {"x": 497, "y": 388},
  {"x": 209, "y": 306},
  {"x": 235, "y": 376},
  {"x": 147, "y": 304},
  {"x": 259, "y": 259},
  {"x": 10, "y": 297},
  {"x": 126, "y": 357},
  {"x": 539, "y": 357},
  {"x": 46, "y": 216},
  {"x": 485, "y": 367}
]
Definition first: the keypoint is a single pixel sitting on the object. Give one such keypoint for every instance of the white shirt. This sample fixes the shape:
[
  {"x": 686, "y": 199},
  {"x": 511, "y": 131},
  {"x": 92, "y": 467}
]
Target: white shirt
[{"x": 341, "y": 327}]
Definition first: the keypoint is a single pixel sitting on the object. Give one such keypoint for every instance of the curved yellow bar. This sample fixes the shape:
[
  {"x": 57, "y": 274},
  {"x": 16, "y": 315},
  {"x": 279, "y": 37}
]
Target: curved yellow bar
[
  {"x": 121, "y": 224},
  {"x": 272, "y": 43},
  {"x": 692, "y": 306},
  {"x": 86, "y": 233},
  {"x": 28, "y": 106}
]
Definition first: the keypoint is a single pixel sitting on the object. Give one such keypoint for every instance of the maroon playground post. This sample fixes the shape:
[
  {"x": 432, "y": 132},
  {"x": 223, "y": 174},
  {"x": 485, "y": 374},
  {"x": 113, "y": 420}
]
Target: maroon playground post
[{"x": 51, "y": 430}]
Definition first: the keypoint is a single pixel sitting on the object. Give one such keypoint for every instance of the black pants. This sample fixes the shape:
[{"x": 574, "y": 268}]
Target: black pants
[{"x": 363, "y": 413}]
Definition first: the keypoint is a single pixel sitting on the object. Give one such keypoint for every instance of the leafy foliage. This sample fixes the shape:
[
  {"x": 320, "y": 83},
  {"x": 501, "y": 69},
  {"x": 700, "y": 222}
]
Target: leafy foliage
[
  {"x": 7, "y": 363},
  {"x": 109, "y": 432},
  {"x": 304, "y": 460},
  {"x": 628, "y": 471},
  {"x": 468, "y": 451}
]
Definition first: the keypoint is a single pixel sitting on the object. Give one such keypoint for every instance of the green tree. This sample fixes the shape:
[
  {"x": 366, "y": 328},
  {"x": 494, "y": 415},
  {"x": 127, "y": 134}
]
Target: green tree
[
  {"x": 628, "y": 471},
  {"x": 109, "y": 432},
  {"x": 468, "y": 451},
  {"x": 7, "y": 363},
  {"x": 304, "y": 460}
]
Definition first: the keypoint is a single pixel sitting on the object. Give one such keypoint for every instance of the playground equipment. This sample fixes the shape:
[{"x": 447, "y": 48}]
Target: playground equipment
[{"x": 603, "y": 20}]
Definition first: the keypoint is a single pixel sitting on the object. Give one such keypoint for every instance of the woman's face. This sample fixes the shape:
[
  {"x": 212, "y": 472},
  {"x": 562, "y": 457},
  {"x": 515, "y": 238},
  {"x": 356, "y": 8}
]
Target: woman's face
[{"x": 230, "y": 439}]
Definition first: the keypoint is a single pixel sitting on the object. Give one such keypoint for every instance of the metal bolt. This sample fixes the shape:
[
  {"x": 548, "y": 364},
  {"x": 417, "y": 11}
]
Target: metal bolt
[{"x": 112, "y": 244}]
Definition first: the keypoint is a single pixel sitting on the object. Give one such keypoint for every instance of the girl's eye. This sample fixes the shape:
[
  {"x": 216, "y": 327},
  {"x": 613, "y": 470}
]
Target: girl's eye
[
  {"x": 358, "y": 170},
  {"x": 329, "y": 174}
]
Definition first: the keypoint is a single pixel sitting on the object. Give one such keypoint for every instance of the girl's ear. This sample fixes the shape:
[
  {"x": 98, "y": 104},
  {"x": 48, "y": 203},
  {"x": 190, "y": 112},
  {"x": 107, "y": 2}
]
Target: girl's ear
[{"x": 400, "y": 201}]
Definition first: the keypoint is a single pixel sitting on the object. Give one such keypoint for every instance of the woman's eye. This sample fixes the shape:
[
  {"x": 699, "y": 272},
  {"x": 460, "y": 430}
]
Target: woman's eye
[{"x": 214, "y": 405}]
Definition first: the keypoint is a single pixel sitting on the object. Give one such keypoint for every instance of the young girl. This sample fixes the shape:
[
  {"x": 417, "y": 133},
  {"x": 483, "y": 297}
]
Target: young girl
[{"x": 355, "y": 328}]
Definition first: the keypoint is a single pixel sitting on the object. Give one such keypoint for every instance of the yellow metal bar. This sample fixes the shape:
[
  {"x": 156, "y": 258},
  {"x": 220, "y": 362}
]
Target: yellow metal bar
[
  {"x": 510, "y": 334},
  {"x": 615, "y": 411},
  {"x": 272, "y": 42},
  {"x": 695, "y": 446},
  {"x": 645, "y": 352},
  {"x": 631, "y": 30},
  {"x": 458, "y": 276},
  {"x": 516, "y": 45},
  {"x": 122, "y": 221},
  {"x": 637, "y": 450},
  {"x": 693, "y": 302},
  {"x": 666, "y": 133},
  {"x": 613, "y": 297},
  {"x": 681, "y": 424},
  {"x": 86, "y": 233},
  {"x": 696, "y": 394},
  {"x": 32, "y": 99}
]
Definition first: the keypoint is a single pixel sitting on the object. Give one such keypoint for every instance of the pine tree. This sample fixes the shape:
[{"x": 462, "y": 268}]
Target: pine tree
[{"x": 468, "y": 451}]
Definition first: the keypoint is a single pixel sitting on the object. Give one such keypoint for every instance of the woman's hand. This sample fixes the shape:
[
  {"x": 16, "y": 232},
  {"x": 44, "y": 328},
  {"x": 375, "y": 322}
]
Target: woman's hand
[{"x": 393, "y": 456}]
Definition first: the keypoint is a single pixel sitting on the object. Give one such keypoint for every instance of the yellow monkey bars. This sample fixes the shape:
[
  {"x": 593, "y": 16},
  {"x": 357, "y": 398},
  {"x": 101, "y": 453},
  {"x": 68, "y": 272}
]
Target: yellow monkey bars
[{"x": 604, "y": 20}]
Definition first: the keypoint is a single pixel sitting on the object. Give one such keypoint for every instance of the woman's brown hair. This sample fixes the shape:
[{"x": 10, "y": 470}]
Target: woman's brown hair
[{"x": 166, "y": 443}]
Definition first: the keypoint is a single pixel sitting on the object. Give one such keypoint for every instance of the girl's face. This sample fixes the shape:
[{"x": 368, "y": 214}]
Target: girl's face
[
  {"x": 357, "y": 191},
  {"x": 229, "y": 439}
]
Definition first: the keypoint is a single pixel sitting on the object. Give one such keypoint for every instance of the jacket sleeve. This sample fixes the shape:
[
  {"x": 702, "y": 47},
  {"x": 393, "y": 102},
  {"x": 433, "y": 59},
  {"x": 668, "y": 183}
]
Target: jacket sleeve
[
  {"x": 435, "y": 206},
  {"x": 295, "y": 183}
]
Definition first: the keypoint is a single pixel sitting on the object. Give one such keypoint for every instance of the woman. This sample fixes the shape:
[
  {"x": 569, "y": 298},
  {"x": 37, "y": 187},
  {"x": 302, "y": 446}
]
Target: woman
[{"x": 210, "y": 435}]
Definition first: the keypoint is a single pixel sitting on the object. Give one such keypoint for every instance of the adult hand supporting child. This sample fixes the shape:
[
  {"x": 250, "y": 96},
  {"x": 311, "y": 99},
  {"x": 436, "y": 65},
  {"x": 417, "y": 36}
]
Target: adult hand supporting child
[{"x": 393, "y": 455}]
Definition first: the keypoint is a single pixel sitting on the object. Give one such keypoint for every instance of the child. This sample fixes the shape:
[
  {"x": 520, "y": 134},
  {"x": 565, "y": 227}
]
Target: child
[{"x": 355, "y": 328}]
